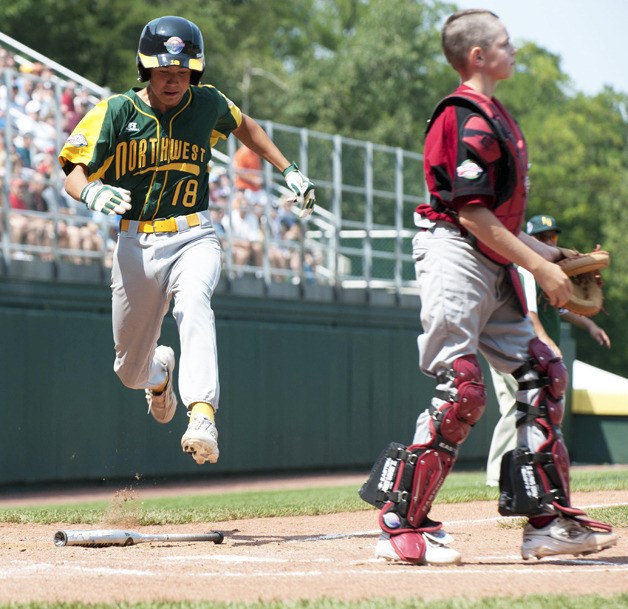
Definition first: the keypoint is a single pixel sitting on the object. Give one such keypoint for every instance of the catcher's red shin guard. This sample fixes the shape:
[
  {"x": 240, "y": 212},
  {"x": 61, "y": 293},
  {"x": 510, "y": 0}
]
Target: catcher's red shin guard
[
  {"x": 405, "y": 480},
  {"x": 535, "y": 479}
]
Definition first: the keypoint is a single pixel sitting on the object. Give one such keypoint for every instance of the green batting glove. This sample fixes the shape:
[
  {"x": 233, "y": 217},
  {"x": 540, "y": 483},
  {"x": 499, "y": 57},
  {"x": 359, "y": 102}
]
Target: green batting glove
[
  {"x": 106, "y": 199},
  {"x": 302, "y": 188}
]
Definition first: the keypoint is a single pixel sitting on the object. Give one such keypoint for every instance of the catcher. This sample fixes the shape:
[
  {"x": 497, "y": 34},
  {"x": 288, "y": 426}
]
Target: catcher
[
  {"x": 547, "y": 321},
  {"x": 468, "y": 240}
]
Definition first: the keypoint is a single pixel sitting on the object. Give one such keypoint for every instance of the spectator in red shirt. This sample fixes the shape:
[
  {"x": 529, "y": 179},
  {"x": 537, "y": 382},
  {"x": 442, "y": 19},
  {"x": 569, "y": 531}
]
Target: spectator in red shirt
[{"x": 248, "y": 174}]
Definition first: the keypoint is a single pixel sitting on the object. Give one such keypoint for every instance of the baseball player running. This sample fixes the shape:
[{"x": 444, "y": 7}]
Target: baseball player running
[
  {"x": 144, "y": 155},
  {"x": 469, "y": 234}
]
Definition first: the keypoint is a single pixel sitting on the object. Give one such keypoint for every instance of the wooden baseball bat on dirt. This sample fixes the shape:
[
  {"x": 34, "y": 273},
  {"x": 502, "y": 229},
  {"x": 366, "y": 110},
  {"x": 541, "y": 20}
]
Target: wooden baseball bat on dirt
[{"x": 119, "y": 537}]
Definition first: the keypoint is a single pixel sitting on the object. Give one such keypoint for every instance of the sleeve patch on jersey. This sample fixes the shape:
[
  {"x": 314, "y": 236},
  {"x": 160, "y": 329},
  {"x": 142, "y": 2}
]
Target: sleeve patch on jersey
[
  {"x": 78, "y": 140},
  {"x": 469, "y": 170},
  {"x": 478, "y": 136}
]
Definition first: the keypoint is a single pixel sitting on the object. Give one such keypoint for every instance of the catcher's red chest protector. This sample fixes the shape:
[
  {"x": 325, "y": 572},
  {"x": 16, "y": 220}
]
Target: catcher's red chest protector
[{"x": 499, "y": 156}]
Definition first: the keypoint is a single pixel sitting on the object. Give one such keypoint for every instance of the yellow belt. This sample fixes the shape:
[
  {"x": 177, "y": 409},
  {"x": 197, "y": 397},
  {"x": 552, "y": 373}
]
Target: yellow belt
[{"x": 168, "y": 225}]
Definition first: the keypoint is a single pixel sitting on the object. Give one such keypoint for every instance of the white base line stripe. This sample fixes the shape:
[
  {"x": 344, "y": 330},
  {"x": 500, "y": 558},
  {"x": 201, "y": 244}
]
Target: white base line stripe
[
  {"x": 403, "y": 570},
  {"x": 415, "y": 571},
  {"x": 445, "y": 525}
]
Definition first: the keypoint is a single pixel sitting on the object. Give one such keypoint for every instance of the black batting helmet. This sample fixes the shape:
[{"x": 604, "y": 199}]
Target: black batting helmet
[{"x": 171, "y": 41}]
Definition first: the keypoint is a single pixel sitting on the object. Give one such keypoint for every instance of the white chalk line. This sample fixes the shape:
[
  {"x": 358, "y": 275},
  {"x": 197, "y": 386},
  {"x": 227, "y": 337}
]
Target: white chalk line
[
  {"x": 398, "y": 570},
  {"x": 342, "y": 568},
  {"x": 293, "y": 561},
  {"x": 243, "y": 559},
  {"x": 420, "y": 570},
  {"x": 446, "y": 524},
  {"x": 328, "y": 536},
  {"x": 38, "y": 568},
  {"x": 249, "y": 559}
]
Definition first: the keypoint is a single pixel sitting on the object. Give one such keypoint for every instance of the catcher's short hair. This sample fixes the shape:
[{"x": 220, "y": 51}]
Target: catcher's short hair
[
  {"x": 466, "y": 29},
  {"x": 541, "y": 224},
  {"x": 171, "y": 41}
]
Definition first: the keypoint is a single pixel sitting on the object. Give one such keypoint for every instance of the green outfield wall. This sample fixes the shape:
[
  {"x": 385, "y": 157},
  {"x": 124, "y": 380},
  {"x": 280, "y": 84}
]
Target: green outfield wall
[{"x": 315, "y": 381}]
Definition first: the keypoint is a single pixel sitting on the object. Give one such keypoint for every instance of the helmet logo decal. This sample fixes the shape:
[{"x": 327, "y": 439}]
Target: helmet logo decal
[{"x": 174, "y": 45}]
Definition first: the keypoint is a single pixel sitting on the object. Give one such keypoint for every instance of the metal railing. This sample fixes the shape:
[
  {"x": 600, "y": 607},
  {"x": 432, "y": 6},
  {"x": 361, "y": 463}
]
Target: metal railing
[
  {"x": 362, "y": 225},
  {"x": 359, "y": 236}
]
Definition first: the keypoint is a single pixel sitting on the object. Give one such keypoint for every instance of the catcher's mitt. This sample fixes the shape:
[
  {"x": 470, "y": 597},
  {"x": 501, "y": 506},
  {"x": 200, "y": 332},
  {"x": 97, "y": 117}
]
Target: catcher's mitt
[{"x": 584, "y": 271}]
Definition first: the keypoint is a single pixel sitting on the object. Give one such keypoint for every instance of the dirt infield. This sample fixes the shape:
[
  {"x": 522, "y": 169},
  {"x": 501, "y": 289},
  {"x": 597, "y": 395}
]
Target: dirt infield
[{"x": 294, "y": 558}]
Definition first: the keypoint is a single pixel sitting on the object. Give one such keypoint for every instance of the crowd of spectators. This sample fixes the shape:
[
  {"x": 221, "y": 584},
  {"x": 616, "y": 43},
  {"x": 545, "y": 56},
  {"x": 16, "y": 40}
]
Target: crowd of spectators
[
  {"x": 39, "y": 109},
  {"x": 34, "y": 120},
  {"x": 249, "y": 222}
]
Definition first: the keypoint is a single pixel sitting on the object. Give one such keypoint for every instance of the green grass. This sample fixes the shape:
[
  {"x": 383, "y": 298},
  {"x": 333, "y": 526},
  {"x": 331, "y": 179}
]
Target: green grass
[
  {"x": 617, "y": 601},
  {"x": 125, "y": 508}
]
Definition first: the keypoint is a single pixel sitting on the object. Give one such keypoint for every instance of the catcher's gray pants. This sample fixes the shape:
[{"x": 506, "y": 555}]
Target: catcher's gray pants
[
  {"x": 467, "y": 305},
  {"x": 505, "y": 432},
  {"x": 148, "y": 271}
]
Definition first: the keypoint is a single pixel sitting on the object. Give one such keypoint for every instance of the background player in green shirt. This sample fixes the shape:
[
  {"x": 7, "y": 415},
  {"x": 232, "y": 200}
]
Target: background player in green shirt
[
  {"x": 546, "y": 320},
  {"x": 145, "y": 155}
]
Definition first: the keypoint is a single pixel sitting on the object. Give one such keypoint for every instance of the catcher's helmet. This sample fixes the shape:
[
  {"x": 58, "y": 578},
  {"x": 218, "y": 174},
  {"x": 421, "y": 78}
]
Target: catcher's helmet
[{"x": 171, "y": 41}]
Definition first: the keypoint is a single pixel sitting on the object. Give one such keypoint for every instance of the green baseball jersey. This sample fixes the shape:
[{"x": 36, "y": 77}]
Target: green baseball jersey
[{"x": 162, "y": 159}]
